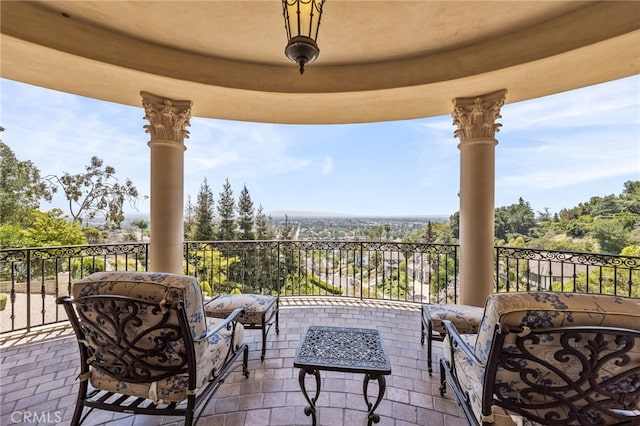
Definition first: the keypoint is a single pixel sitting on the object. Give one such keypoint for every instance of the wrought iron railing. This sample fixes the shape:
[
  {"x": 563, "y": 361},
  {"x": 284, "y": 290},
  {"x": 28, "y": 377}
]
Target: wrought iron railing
[
  {"x": 413, "y": 272},
  {"x": 33, "y": 278},
  {"x": 522, "y": 269},
  {"x": 408, "y": 272}
]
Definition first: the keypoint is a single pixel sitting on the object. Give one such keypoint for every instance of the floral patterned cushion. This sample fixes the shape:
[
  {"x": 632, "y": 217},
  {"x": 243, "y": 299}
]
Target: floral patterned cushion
[
  {"x": 466, "y": 318},
  {"x": 539, "y": 310},
  {"x": 156, "y": 288},
  {"x": 174, "y": 388},
  {"x": 256, "y": 307},
  {"x": 536, "y": 310}
]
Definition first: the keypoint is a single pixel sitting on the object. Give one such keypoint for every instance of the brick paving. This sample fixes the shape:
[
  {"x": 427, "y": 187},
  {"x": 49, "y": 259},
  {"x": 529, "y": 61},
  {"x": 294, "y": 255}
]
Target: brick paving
[{"x": 38, "y": 376}]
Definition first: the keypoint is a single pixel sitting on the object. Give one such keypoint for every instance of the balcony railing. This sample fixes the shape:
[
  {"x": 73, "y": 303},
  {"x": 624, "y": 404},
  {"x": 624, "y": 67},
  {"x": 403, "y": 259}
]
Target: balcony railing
[{"x": 410, "y": 272}]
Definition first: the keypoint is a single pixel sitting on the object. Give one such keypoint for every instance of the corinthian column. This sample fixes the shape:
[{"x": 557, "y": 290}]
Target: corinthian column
[
  {"x": 167, "y": 122},
  {"x": 475, "y": 119}
]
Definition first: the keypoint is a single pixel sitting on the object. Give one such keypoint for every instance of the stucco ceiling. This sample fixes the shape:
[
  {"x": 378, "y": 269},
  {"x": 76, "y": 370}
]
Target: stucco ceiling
[{"x": 379, "y": 60}]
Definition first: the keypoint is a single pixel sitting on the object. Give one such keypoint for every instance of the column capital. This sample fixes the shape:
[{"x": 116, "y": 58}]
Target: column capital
[
  {"x": 167, "y": 118},
  {"x": 475, "y": 117}
]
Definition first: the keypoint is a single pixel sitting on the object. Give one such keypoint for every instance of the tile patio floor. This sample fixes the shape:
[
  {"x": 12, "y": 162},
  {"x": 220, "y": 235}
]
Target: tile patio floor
[{"x": 38, "y": 376}]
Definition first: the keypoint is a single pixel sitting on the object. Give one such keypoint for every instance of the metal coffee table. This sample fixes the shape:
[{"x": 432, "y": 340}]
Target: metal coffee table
[{"x": 351, "y": 350}]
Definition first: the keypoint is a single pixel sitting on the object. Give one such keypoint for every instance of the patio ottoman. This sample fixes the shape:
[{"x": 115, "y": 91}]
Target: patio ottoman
[
  {"x": 260, "y": 312},
  {"x": 466, "y": 318}
]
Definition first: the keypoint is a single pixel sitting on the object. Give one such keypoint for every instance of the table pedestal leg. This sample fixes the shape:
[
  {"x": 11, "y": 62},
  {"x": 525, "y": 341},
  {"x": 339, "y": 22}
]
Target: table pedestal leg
[
  {"x": 382, "y": 384},
  {"x": 311, "y": 409}
]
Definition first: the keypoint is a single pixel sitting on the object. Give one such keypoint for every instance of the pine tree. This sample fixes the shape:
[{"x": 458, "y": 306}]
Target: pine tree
[
  {"x": 245, "y": 215},
  {"x": 226, "y": 213},
  {"x": 429, "y": 236},
  {"x": 189, "y": 218},
  {"x": 202, "y": 228},
  {"x": 264, "y": 231},
  {"x": 286, "y": 229}
]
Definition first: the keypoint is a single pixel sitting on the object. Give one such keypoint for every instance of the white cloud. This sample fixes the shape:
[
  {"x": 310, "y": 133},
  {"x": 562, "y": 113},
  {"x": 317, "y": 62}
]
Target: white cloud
[
  {"x": 556, "y": 161},
  {"x": 239, "y": 149},
  {"x": 608, "y": 104},
  {"x": 442, "y": 124},
  {"x": 327, "y": 168}
]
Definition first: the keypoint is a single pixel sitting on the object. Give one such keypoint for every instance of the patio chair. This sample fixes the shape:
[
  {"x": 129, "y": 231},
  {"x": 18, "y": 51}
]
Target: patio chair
[
  {"x": 548, "y": 358},
  {"x": 260, "y": 312},
  {"x": 466, "y": 318},
  {"x": 146, "y": 346}
]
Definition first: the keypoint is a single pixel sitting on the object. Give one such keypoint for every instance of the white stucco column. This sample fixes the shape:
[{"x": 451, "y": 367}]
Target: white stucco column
[
  {"x": 475, "y": 118},
  {"x": 167, "y": 122}
]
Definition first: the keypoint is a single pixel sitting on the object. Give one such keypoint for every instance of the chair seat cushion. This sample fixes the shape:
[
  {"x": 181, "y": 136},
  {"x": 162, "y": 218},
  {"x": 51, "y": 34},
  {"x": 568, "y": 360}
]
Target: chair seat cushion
[
  {"x": 174, "y": 388},
  {"x": 256, "y": 307},
  {"x": 466, "y": 318},
  {"x": 538, "y": 372}
]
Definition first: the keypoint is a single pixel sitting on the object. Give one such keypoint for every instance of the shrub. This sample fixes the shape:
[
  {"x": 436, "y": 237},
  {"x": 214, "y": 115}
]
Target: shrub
[
  {"x": 206, "y": 288},
  {"x": 87, "y": 266}
]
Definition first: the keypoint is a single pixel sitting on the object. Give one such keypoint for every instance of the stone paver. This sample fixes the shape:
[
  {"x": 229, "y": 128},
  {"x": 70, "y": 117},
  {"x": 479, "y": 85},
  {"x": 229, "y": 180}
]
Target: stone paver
[{"x": 38, "y": 376}]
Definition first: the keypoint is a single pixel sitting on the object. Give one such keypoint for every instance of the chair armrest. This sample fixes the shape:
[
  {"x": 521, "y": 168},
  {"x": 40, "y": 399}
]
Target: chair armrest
[
  {"x": 224, "y": 324},
  {"x": 211, "y": 300},
  {"x": 62, "y": 299},
  {"x": 456, "y": 342}
]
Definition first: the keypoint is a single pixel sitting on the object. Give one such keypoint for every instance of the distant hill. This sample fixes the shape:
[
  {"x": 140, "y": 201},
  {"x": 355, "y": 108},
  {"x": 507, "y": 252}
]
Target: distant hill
[
  {"x": 293, "y": 214},
  {"x": 302, "y": 214}
]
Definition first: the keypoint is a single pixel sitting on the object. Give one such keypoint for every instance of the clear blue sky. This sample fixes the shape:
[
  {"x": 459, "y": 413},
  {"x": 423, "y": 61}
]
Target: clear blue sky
[{"x": 554, "y": 152}]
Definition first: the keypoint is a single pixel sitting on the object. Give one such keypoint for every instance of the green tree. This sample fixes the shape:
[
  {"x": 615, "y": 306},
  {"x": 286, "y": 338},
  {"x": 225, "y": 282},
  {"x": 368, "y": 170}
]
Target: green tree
[
  {"x": 514, "y": 219},
  {"x": 226, "y": 213},
  {"x": 189, "y": 219},
  {"x": 545, "y": 215},
  {"x": 21, "y": 187},
  {"x": 611, "y": 235},
  {"x": 432, "y": 233},
  {"x": 429, "y": 235},
  {"x": 142, "y": 225},
  {"x": 202, "y": 228},
  {"x": 211, "y": 267},
  {"x": 374, "y": 233},
  {"x": 630, "y": 197},
  {"x": 632, "y": 250},
  {"x": 579, "y": 227},
  {"x": 245, "y": 215},
  {"x": 42, "y": 230},
  {"x": 95, "y": 235},
  {"x": 96, "y": 191},
  {"x": 387, "y": 230},
  {"x": 604, "y": 206},
  {"x": 395, "y": 285},
  {"x": 454, "y": 224},
  {"x": 264, "y": 230},
  {"x": 286, "y": 230}
]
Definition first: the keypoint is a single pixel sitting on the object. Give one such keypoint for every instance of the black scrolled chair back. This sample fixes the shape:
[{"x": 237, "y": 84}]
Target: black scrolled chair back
[
  {"x": 566, "y": 376},
  {"x": 134, "y": 340},
  {"x": 146, "y": 346}
]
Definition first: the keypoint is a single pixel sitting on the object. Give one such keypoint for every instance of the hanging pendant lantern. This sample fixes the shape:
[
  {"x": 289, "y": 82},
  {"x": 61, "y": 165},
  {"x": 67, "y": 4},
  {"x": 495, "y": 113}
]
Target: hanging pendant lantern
[{"x": 302, "y": 21}]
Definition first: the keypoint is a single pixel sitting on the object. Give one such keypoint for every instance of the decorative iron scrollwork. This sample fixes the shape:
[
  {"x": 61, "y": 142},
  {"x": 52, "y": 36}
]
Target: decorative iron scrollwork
[
  {"x": 582, "y": 376},
  {"x": 131, "y": 340},
  {"x": 590, "y": 259}
]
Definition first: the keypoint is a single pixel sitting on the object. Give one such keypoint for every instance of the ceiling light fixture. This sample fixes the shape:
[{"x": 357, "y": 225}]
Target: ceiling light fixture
[{"x": 302, "y": 20}]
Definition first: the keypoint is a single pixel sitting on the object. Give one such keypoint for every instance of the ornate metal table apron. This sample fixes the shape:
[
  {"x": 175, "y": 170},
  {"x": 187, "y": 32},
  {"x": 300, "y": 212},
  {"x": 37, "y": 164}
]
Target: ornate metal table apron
[{"x": 351, "y": 350}]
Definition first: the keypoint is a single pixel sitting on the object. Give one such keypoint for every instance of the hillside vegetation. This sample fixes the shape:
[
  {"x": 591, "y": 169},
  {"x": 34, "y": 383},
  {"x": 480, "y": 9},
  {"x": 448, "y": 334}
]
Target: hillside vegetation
[{"x": 609, "y": 224}]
